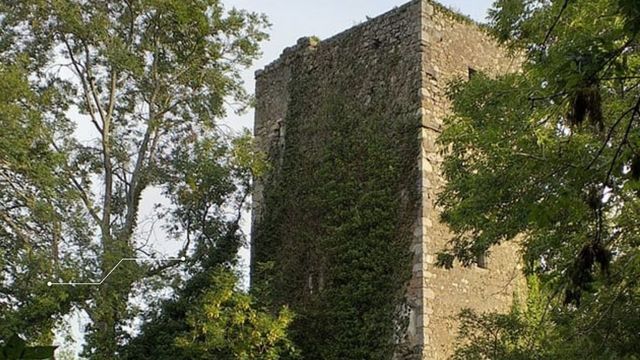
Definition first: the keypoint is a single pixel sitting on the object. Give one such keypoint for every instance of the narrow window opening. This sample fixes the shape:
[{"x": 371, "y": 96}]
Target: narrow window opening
[
  {"x": 321, "y": 281},
  {"x": 482, "y": 261},
  {"x": 472, "y": 73}
]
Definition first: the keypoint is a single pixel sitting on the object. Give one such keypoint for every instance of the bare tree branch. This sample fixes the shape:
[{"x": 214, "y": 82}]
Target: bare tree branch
[
  {"x": 80, "y": 73},
  {"x": 610, "y": 134}
]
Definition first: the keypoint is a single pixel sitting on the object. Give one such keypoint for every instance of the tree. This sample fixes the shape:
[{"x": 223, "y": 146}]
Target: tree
[
  {"x": 542, "y": 329},
  {"x": 34, "y": 200},
  {"x": 522, "y": 334},
  {"x": 211, "y": 319},
  {"x": 551, "y": 155},
  {"x": 223, "y": 325},
  {"x": 149, "y": 78},
  {"x": 208, "y": 318}
]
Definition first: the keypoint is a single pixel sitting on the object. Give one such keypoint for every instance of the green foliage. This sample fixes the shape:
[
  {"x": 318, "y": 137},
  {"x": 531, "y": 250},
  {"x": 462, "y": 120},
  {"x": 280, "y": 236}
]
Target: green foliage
[
  {"x": 34, "y": 201},
  {"x": 334, "y": 243},
  {"x": 210, "y": 319},
  {"x": 245, "y": 156},
  {"x": 207, "y": 317},
  {"x": 521, "y": 334},
  {"x": 202, "y": 186},
  {"x": 16, "y": 349},
  {"x": 224, "y": 325},
  {"x": 541, "y": 328},
  {"x": 142, "y": 82},
  {"x": 550, "y": 156},
  {"x": 455, "y": 15}
]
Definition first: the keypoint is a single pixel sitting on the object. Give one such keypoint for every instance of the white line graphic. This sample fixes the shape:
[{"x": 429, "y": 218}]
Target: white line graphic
[{"x": 112, "y": 269}]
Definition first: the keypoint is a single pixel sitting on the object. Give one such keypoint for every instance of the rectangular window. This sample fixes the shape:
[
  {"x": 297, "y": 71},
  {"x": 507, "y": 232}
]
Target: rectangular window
[
  {"x": 472, "y": 73},
  {"x": 482, "y": 261}
]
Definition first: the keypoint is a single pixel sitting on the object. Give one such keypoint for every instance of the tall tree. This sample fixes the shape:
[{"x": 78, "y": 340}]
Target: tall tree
[
  {"x": 551, "y": 155},
  {"x": 149, "y": 78},
  {"x": 34, "y": 201},
  {"x": 208, "y": 317}
]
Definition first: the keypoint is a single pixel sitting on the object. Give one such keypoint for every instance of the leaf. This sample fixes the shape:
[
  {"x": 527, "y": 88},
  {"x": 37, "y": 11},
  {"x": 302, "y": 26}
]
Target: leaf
[
  {"x": 14, "y": 347},
  {"x": 39, "y": 352}
]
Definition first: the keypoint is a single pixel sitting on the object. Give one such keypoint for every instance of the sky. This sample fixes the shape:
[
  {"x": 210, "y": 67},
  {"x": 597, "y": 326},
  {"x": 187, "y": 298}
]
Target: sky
[{"x": 291, "y": 20}]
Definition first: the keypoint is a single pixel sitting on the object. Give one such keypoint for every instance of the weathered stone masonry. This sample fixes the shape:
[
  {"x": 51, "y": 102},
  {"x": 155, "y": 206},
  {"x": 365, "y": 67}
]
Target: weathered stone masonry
[{"x": 429, "y": 46}]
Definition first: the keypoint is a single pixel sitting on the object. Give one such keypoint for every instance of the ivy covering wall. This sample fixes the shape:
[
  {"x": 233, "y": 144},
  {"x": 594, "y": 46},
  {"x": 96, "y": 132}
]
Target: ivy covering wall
[{"x": 340, "y": 208}]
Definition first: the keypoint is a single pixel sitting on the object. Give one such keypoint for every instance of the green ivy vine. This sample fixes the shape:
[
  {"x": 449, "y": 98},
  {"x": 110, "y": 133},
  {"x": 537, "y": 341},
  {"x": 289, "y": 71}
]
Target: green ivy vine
[{"x": 340, "y": 204}]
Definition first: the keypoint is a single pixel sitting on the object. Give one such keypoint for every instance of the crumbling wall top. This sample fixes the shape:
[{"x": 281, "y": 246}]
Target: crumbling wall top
[{"x": 307, "y": 43}]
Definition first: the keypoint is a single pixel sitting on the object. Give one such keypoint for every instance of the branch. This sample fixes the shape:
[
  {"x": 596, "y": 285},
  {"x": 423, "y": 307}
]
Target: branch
[
  {"x": 614, "y": 55},
  {"x": 106, "y": 142},
  {"x": 170, "y": 107},
  {"x": 112, "y": 95},
  {"x": 160, "y": 268},
  {"x": 555, "y": 23},
  {"x": 92, "y": 86},
  {"x": 610, "y": 134},
  {"x": 134, "y": 188},
  {"x": 620, "y": 78},
  {"x": 121, "y": 177},
  {"x": 131, "y": 22},
  {"x": 538, "y": 158},
  {"x": 14, "y": 227},
  {"x": 83, "y": 194},
  {"x": 234, "y": 226},
  {"x": 547, "y": 97},
  {"x": 624, "y": 140},
  {"x": 608, "y": 307},
  {"x": 83, "y": 81}
]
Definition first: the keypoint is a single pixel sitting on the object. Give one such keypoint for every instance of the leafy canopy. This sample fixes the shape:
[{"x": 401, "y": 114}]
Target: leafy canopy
[
  {"x": 211, "y": 319},
  {"x": 550, "y": 156},
  {"x": 104, "y": 100}
]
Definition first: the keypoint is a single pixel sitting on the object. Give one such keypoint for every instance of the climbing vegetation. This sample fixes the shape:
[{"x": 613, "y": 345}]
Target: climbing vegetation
[{"x": 335, "y": 240}]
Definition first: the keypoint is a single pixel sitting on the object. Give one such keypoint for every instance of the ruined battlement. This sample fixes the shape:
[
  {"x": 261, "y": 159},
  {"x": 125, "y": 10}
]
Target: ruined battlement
[
  {"x": 379, "y": 24},
  {"x": 391, "y": 73}
]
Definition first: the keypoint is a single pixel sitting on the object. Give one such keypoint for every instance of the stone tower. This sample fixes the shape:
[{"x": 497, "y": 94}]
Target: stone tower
[{"x": 397, "y": 66}]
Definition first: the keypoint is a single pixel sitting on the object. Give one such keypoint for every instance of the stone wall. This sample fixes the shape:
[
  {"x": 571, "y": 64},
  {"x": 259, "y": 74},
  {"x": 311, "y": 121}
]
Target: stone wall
[
  {"x": 374, "y": 69},
  {"x": 450, "y": 47},
  {"x": 354, "y": 51},
  {"x": 405, "y": 57}
]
